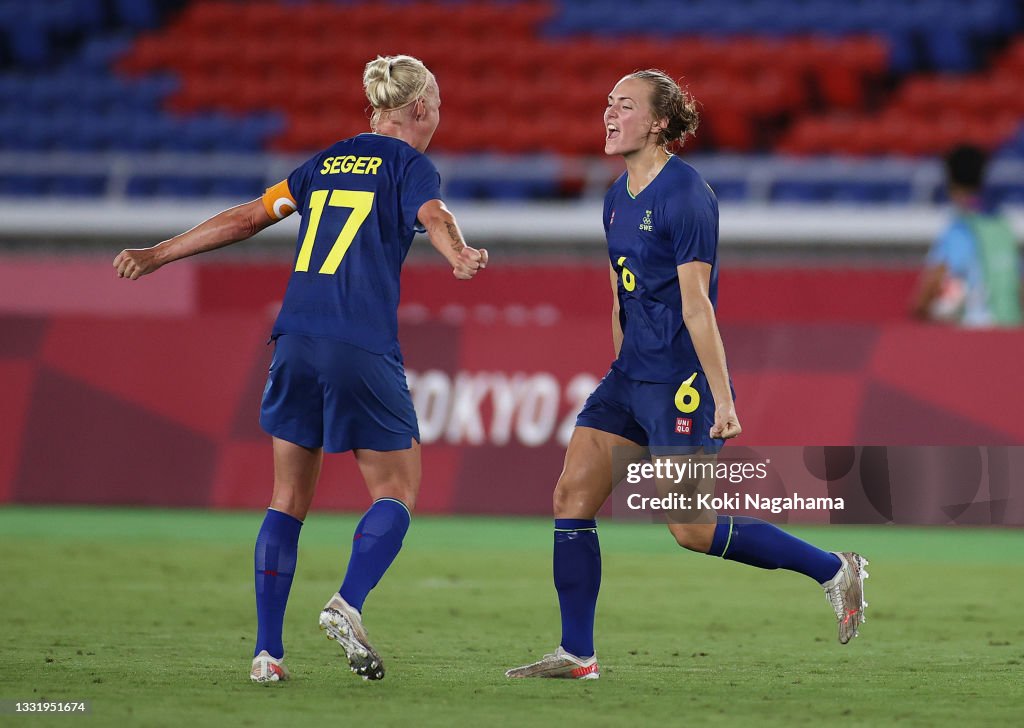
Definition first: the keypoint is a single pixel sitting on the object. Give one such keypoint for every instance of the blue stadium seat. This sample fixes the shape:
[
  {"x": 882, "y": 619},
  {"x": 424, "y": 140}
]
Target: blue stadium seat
[
  {"x": 949, "y": 49},
  {"x": 181, "y": 187},
  {"x": 10, "y": 125},
  {"x": 150, "y": 186},
  {"x": 82, "y": 133},
  {"x": 1008, "y": 194},
  {"x": 800, "y": 191},
  {"x": 78, "y": 185},
  {"x": 140, "y": 187},
  {"x": 730, "y": 190},
  {"x": 22, "y": 185},
  {"x": 870, "y": 191},
  {"x": 28, "y": 44},
  {"x": 97, "y": 53},
  {"x": 138, "y": 14},
  {"x": 237, "y": 188}
]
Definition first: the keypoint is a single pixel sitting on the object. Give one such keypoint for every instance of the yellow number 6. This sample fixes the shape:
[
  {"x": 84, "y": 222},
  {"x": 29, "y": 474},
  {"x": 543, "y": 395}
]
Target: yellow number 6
[
  {"x": 361, "y": 204},
  {"x": 628, "y": 279},
  {"x": 687, "y": 398}
]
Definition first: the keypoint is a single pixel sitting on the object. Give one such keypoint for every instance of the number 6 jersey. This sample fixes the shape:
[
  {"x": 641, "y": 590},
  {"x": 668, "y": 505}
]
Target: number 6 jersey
[
  {"x": 674, "y": 220},
  {"x": 358, "y": 200}
]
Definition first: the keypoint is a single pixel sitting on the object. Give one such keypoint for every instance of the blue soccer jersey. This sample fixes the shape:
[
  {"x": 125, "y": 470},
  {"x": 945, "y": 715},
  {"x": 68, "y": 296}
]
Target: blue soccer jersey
[
  {"x": 674, "y": 220},
  {"x": 358, "y": 200}
]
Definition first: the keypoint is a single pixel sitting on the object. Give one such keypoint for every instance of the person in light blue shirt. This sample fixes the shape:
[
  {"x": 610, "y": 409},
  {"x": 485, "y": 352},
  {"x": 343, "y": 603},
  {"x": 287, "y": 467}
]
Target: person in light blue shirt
[{"x": 972, "y": 272}]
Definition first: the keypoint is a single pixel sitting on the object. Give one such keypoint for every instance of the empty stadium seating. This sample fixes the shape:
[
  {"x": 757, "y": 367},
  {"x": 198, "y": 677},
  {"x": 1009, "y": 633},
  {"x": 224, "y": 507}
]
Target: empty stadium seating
[{"x": 819, "y": 77}]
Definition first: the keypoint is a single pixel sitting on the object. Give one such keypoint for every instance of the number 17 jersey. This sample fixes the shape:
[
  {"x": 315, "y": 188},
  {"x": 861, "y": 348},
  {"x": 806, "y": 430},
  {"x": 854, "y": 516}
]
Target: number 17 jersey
[{"x": 358, "y": 200}]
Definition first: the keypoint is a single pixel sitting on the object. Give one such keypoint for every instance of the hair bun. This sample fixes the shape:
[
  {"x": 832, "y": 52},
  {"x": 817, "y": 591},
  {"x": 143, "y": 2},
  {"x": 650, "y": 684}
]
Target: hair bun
[{"x": 393, "y": 82}]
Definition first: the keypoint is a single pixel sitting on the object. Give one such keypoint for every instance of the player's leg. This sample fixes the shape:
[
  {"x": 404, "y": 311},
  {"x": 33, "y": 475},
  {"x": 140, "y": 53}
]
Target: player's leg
[
  {"x": 604, "y": 424},
  {"x": 738, "y": 538},
  {"x": 757, "y": 543},
  {"x": 291, "y": 413},
  {"x": 583, "y": 486},
  {"x": 296, "y": 470},
  {"x": 393, "y": 479},
  {"x": 368, "y": 409}
]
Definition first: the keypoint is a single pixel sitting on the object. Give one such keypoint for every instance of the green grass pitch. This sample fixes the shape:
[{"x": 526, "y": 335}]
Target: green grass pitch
[{"x": 149, "y": 615}]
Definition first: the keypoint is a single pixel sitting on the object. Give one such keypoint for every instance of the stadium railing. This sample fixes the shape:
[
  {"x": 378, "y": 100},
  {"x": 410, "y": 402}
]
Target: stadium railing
[{"x": 818, "y": 201}]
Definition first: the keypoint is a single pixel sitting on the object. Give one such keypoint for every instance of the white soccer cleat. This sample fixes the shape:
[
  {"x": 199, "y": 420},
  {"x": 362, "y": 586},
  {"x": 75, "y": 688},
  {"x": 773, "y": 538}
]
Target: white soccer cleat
[
  {"x": 559, "y": 664},
  {"x": 845, "y": 592},
  {"x": 268, "y": 669},
  {"x": 344, "y": 625}
]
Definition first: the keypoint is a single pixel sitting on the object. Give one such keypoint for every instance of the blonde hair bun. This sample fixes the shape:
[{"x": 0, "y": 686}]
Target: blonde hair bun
[{"x": 393, "y": 82}]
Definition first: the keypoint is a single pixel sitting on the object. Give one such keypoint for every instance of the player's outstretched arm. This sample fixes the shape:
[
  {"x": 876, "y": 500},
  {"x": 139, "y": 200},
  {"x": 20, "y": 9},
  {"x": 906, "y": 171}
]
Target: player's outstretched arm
[
  {"x": 445, "y": 236},
  {"x": 699, "y": 318},
  {"x": 227, "y": 227}
]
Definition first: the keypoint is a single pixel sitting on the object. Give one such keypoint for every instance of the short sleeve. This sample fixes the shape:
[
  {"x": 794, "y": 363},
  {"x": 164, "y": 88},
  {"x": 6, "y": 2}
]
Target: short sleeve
[
  {"x": 420, "y": 183},
  {"x": 693, "y": 224},
  {"x": 299, "y": 181},
  {"x": 954, "y": 249}
]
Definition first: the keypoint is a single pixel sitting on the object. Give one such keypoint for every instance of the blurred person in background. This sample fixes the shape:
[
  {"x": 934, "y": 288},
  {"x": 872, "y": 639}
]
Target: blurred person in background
[
  {"x": 972, "y": 273},
  {"x": 668, "y": 389},
  {"x": 337, "y": 380}
]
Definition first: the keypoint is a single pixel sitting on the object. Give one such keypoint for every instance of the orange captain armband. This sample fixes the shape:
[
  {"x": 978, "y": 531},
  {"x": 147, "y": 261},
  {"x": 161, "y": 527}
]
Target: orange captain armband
[{"x": 278, "y": 201}]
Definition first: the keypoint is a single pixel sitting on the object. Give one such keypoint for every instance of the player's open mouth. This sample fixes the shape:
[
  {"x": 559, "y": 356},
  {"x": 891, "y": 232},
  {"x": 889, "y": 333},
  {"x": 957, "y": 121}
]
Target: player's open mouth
[{"x": 612, "y": 133}]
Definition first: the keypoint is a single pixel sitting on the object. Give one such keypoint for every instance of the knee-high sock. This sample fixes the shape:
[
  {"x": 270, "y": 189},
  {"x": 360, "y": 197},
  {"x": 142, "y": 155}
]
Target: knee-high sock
[
  {"x": 375, "y": 544},
  {"x": 757, "y": 543},
  {"x": 577, "y": 571},
  {"x": 277, "y": 548}
]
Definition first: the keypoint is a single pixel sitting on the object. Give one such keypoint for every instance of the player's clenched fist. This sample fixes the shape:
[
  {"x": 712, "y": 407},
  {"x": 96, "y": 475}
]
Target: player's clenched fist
[
  {"x": 134, "y": 263},
  {"x": 470, "y": 262},
  {"x": 727, "y": 424}
]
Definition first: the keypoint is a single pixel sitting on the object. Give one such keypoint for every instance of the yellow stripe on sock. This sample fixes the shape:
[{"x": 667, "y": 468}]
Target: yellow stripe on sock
[{"x": 728, "y": 540}]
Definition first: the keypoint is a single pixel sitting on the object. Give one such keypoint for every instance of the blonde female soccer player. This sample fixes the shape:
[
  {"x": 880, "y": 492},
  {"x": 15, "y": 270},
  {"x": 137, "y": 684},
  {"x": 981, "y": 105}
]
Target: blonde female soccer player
[
  {"x": 337, "y": 381},
  {"x": 668, "y": 388}
]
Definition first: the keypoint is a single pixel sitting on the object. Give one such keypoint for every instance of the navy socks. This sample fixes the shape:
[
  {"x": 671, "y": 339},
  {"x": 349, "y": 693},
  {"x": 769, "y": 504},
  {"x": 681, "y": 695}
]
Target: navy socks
[
  {"x": 277, "y": 548},
  {"x": 757, "y": 543},
  {"x": 577, "y": 572},
  {"x": 375, "y": 544},
  {"x": 377, "y": 541}
]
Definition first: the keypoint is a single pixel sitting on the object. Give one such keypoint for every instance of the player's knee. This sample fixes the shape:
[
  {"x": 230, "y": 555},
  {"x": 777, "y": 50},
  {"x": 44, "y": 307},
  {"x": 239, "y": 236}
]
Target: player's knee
[
  {"x": 293, "y": 501},
  {"x": 694, "y": 537},
  {"x": 572, "y": 500},
  {"x": 401, "y": 489}
]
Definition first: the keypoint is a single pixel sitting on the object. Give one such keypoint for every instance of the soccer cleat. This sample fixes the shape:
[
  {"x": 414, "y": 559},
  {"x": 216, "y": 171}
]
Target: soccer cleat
[
  {"x": 845, "y": 592},
  {"x": 344, "y": 625},
  {"x": 268, "y": 669},
  {"x": 559, "y": 664}
]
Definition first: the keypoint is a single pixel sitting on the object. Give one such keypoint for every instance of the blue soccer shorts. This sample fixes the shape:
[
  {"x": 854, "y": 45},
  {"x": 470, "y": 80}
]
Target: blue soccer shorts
[
  {"x": 328, "y": 393},
  {"x": 667, "y": 415}
]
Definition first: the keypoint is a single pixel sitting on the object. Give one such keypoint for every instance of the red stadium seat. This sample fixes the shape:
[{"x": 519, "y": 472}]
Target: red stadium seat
[
  {"x": 306, "y": 58},
  {"x": 209, "y": 18},
  {"x": 149, "y": 54}
]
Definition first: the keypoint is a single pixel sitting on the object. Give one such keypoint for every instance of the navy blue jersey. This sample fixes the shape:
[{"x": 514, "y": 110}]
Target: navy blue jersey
[
  {"x": 358, "y": 200},
  {"x": 674, "y": 220}
]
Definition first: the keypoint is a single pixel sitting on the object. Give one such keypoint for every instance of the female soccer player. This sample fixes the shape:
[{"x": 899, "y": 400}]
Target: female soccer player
[
  {"x": 668, "y": 389},
  {"x": 337, "y": 381}
]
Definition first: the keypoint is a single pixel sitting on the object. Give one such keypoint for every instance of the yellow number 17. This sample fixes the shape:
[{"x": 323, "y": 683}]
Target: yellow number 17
[{"x": 361, "y": 204}]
